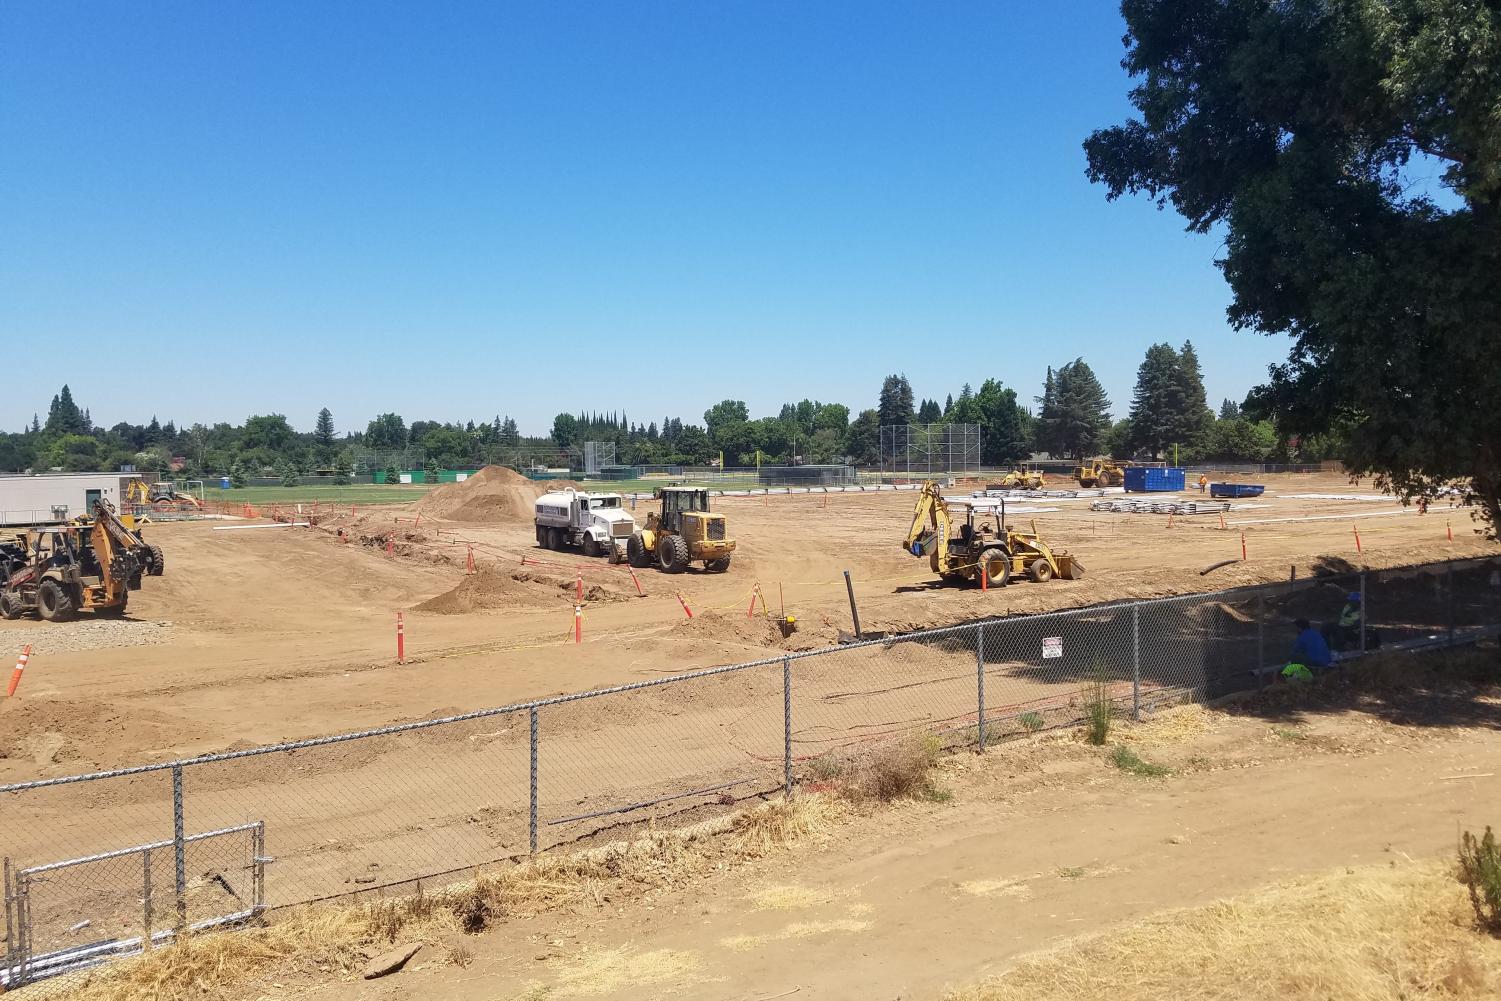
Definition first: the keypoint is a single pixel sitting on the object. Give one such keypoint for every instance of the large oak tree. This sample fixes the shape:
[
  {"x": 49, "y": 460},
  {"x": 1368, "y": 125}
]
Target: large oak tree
[{"x": 1350, "y": 153}]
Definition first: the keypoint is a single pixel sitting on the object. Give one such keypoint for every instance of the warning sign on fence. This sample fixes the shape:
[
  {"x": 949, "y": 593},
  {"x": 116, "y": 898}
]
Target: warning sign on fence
[{"x": 1052, "y": 646}]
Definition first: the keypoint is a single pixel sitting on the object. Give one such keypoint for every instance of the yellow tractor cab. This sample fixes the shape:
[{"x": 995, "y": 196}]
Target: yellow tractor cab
[
  {"x": 682, "y": 532},
  {"x": 982, "y": 543}
]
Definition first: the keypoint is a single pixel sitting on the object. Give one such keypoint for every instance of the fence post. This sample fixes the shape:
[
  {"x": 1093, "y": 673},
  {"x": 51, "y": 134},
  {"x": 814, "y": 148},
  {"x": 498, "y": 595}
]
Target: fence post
[
  {"x": 1260, "y": 640},
  {"x": 532, "y": 829},
  {"x": 179, "y": 850},
  {"x": 258, "y": 873},
  {"x": 787, "y": 727},
  {"x": 1136, "y": 663},
  {"x": 146, "y": 899},
  {"x": 1449, "y": 587},
  {"x": 1365, "y": 613},
  {"x": 980, "y": 684}
]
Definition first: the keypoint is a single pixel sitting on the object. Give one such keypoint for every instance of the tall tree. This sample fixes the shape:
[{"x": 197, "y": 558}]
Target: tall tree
[
  {"x": 1157, "y": 405},
  {"x": 565, "y": 430},
  {"x": 862, "y": 441},
  {"x": 1005, "y": 426},
  {"x": 386, "y": 433},
  {"x": 1303, "y": 131},
  {"x": 323, "y": 437},
  {"x": 1075, "y": 412},
  {"x": 1228, "y": 410},
  {"x": 929, "y": 412},
  {"x": 63, "y": 416},
  {"x": 895, "y": 406},
  {"x": 1196, "y": 414}
]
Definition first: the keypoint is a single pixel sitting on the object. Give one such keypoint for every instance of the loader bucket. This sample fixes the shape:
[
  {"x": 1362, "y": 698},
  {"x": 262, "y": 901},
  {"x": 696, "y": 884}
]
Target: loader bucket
[{"x": 1069, "y": 567}]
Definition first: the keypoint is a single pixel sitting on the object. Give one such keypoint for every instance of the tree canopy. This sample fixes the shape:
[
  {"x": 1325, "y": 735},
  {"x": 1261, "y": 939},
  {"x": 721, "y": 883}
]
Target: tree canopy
[
  {"x": 1305, "y": 131},
  {"x": 1074, "y": 412}
]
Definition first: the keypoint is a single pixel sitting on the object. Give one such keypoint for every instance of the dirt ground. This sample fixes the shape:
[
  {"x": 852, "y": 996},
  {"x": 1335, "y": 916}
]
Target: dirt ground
[
  {"x": 1033, "y": 843},
  {"x": 257, "y": 636}
]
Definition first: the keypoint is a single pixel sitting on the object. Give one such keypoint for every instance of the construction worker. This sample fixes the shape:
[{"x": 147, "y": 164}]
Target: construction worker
[
  {"x": 1203, "y": 482},
  {"x": 1309, "y": 652}
]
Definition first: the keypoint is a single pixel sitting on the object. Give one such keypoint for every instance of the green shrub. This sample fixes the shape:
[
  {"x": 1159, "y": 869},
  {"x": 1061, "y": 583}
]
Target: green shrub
[
  {"x": 1128, "y": 760},
  {"x": 1480, "y": 871},
  {"x": 1031, "y": 722},
  {"x": 1098, "y": 709}
]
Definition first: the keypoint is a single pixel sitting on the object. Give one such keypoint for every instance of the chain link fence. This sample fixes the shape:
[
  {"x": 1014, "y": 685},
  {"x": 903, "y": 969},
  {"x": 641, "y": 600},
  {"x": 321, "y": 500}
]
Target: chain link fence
[{"x": 109, "y": 863}]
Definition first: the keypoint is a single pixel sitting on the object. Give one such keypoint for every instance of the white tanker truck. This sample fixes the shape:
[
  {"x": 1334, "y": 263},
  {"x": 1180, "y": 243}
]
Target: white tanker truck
[{"x": 596, "y": 523}]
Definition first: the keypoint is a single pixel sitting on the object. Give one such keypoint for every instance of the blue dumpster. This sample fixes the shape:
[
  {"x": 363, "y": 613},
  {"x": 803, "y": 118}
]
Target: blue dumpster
[{"x": 1153, "y": 479}]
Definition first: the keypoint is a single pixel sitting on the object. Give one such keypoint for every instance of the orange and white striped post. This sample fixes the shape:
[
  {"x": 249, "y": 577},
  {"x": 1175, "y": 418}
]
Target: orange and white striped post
[
  {"x": 754, "y": 592},
  {"x": 1243, "y": 546},
  {"x": 686, "y": 610},
  {"x": 390, "y": 546},
  {"x": 1222, "y": 521},
  {"x": 401, "y": 640},
  {"x": 1356, "y": 530},
  {"x": 637, "y": 580},
  {"x": 469, "y": 568},
  {"x": 984, "y": 576},
  {"x": 578, "y": 623},
  {"x": 15, "y": 676},
  {"x": 581, "y": 586},
  {"x": 1449, "y": 527}
]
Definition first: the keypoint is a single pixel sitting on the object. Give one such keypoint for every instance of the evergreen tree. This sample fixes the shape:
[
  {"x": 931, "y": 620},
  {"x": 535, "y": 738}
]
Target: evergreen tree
[
  {"x": 948, "y": 406},
  {"x": 1196, "y": 414},
  {"x": 63, "y": 416},
  {"x": 36, "y": 425},
  {"x": 1228, "y": 410},
  {"x": 323, "y": 437},
  {"x": 1075, "y": 414},
  {"x": 1158, "y": 403},
  {"x": 895, "y": 406},
  {"x": 929, "y": 413},
  {"x": 288, "y": 473},
  {"x": 342, "y": 470},
  {"x": 1006, "y": 432},
  {"x": 393, "y": 475},
  {"x": 430, "y": 471}
]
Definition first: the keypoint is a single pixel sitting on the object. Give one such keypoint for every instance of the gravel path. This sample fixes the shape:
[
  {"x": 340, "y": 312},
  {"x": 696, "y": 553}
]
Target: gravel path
[{"x": 84, "y": 634}]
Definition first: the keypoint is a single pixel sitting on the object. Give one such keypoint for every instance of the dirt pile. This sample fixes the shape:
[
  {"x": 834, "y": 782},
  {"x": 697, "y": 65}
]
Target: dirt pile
[
  {"x": 732, "y": 627},
  {"x": 68, "y": 736},
  {"x": 489, "y": 589},
  {"x": 494, "y": 494}
]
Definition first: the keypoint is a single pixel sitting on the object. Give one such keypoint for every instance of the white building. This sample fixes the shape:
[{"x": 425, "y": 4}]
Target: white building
[{"x": 27, "y": 499}]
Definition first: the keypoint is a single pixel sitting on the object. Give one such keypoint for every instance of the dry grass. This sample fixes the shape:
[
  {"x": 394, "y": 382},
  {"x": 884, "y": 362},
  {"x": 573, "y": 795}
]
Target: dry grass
[
  {"x": 338, "y": 939},
  {"x": 1177, "y": 725},
  {"x": 1376, "y": 934},
  {"x": 892, "y": 771},
  {"x": 605, "y": 971}
]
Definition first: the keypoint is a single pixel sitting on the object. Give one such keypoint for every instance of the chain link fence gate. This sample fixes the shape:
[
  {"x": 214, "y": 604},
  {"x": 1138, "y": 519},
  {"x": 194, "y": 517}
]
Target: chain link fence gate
[{"x": 108, "y": 863}]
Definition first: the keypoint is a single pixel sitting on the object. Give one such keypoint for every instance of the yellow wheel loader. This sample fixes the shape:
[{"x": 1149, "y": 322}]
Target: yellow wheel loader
[
  {"x": 89, "y": 564},
  {"x": 684, "y": 531},
  {"x": 1101, "y": 471},
  {"x": 975, "y": 548}
]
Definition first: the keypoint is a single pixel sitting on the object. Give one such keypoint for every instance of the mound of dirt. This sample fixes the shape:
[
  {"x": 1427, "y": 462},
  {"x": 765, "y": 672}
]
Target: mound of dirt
[
  {"x": 494, "y": 494},
  {"x": 758, "y": 630},
  {"x": 489, "y": 589},
  {"x": 42, "y": 734}
]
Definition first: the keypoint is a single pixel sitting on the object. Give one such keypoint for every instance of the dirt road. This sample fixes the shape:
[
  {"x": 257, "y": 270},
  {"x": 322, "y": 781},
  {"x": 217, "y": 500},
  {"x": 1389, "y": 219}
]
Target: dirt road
[{"x": 1040, "y": 842}]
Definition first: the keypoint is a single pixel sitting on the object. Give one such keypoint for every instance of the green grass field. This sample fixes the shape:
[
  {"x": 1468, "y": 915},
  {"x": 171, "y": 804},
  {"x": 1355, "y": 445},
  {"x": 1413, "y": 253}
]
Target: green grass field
[{"x": 360, "y": 493}]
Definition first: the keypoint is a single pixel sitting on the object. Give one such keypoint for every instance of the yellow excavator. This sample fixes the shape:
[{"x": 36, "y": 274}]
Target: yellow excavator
[
  {"x": 88, "y": 564},
  {"x": 977, "y": 549}
]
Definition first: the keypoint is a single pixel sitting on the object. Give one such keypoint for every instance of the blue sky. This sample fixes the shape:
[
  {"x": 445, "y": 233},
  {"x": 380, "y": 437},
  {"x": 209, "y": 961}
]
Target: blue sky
[{"x": 456, "y": 210}]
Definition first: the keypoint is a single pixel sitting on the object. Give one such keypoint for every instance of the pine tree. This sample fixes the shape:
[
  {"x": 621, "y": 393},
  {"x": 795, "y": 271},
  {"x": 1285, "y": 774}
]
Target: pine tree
[
  {"x": 1196, "y": 417},
  {"x": 895, "y": 406},
  {"x": 63, "y": 416},
  {"x": 1075, "y": 413},
  {"x": 36, "y": 425},
  {"x": 1157, "y": 402},
  {"x": 1229, "y": 411},
  {"x": 323, "y": 437}
]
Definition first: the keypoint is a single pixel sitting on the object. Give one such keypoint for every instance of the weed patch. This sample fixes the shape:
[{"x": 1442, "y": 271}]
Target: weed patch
[
  {"x": 1128, "y": 760},
  {"x": 1480, "y": 872}
]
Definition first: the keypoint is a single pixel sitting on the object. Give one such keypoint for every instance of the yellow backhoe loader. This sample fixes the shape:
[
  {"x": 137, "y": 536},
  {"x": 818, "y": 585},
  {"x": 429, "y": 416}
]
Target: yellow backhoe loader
[
  {"x": 682, "y": 532},
  {"x": 976, "y": 548},
  {"x": 88, "y": 564},
  {"x": 163, "y": 496}
]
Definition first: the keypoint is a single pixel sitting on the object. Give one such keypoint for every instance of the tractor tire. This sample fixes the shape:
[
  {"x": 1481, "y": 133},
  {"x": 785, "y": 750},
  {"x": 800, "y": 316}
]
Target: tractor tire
[
  {"x": 10, "y": 606},
  {"x": 672, "y": 553},
  {"x": 155, "y": 562},
  {"x": 1086, "y": 483},
  {"x": 53, "y": 602},
  {"x": 1041, "y": 571},
  {"x": 995, "y": 564},
  {"x": 114, "y": 611},
  {"x": 591, "y": 547},
  {"x": 635, "y": 552},
  {"x": 717, "y": 566}
]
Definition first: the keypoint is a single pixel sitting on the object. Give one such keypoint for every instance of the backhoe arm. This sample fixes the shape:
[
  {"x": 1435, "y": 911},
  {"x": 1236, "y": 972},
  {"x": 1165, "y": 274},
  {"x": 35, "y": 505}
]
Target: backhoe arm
[{"x": 930, "y": 529}]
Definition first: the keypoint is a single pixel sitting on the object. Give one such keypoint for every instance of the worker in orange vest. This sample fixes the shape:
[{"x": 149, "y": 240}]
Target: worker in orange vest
[{"x": 1203, "y": 482}]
